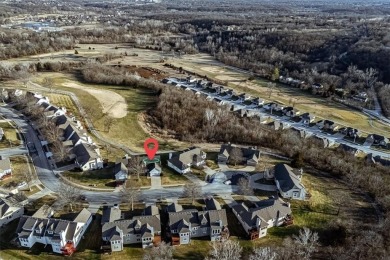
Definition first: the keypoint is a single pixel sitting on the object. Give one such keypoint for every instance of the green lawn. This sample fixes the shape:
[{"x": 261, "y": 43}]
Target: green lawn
[
  {"x": 20, "y": 167},
  {"x": 124, "y": 130},
  {"x": 171, "y": 177},
  {"x": 11, "y": 137},
  {"x": 102, "y": 178}
]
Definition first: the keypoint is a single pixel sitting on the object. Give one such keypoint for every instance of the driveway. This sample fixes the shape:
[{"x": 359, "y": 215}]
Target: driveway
[
  {"x": 224, "y": 167},
  {"x": 155, "y": 182}
]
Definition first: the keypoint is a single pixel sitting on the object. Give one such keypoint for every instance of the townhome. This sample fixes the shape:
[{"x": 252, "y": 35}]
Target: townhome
[
  {"x": 63, "y": 235},
  {"x": 121, "y": 172},
  {"x": 87, "y": 157},
  {"x": 144, "y": 230},
  {"x": 307, "y": 118},
  {"x": 290, "y": 111},
  {"x": 265, "y": 214},
  {"x": 378, "y": 140},
  {"x": 181, "y": 162},
  {"x": 9, "y": 211},
  {"x": 257, "y": 101},
  {"x": 288, "y": 182},
  {"x": 250, "y": 155},
  {"x": 191, "y": 223},
  {"x": 153, "y": 169},
  {"x": 5, "y": 168}
]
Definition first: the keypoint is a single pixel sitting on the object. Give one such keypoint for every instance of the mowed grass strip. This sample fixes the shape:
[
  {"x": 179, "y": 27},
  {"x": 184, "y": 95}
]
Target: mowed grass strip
[
  {"x": 11, "y": 137},
  {"x": 124, "y": 130},
  {"x": 284, "y": 94}
]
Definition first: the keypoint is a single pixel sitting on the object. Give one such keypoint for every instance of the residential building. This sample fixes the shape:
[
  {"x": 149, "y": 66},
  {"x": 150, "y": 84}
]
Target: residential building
[
  {"x": 257, "y": 101},
  {"x": 378, "y": 140},
  {"x": 121, "y": 172},
  {"x": 290, "y": 111},
  {"x": 63, "y": 235},
  {"x": 265, "y": 214},
  {"x": 9, "y": 211},
  {"x": 181, "y": 162},
  {"x": 186, "y": 224},
  {"x": 87, "y": 157},
  {"x": 5, "y": 168},
  {"x": 153, "y": 169},
  {"x": 250, "y": 155},
  {"x": 144, "y": 230},
  {"x": 111, "y": 214},
  {"x": 378, "y": 159},
  {"x": 307, "y": 118},
  {"x": 288, "y": 182}
]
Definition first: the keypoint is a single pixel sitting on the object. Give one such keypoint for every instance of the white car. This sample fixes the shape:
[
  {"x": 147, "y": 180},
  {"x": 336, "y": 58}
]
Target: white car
[{"x": 22, "y": 184}]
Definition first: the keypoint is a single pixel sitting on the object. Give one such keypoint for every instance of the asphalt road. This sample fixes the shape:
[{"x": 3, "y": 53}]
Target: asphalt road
[
  {"x": 17, "y": 150},
  {"x": 50, "y": 181},
  {"x": 336, "y": 138}
]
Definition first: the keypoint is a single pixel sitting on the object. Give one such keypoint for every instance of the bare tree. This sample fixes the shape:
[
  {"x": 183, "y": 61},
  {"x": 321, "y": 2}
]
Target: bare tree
[
  {"x": 225, "y": 250},
  {"x": 263, "y": 253},
  {"x": 235, "y": 156},
  {"x": 161, "y": 252},
  {"x": 131, "y": 193},
  {"x": 192, "y": 191},
  {"x": 108, "y": 122},
  {"x": 244, "y": 187},
  {"x": 68, "y": 195},
  {"x": 136, "y": 166},
  {"x": 48, "y": 83},
  {"x": 370, "y": 77},
  {"x": 60, "y": 151},
  {"x": 306, "y": 242},
  {"x": 52, "y": 133}
]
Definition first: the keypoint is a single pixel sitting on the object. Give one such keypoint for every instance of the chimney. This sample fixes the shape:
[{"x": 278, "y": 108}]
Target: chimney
[
  {"x": 126, "y": 156},
  {"x": 258, "y": 222},
  {"x": 170, "y": 155}
]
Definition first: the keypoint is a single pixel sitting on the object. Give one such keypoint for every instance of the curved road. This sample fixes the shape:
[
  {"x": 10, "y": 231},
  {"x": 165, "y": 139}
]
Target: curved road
[{"x": 48, "y": 178}]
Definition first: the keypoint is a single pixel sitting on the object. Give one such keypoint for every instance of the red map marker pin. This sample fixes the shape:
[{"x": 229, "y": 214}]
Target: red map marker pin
[{"x": 151, "y": 152}]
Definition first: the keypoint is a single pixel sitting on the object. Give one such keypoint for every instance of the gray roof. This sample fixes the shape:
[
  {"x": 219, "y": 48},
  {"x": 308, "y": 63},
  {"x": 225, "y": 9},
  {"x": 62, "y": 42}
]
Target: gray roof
[
  {"x": 174, "y": 207},
  {"x": 152, "y": 166},
  {"x": 120, "y": 167},
  {"x": 265, "y": 210},
  {"x": 212, "y": 204},
  {"x": 151, "y": 210},
  {"x": 60, "y": 120},
  {"x": 181, "y": 159},
  {"x": 84, "y": 153},
  {"x": 138, "y": 225},
  {"x": 248, "y": 153},
  {"x": 5, "y": 164},
  {"x": 4, "y": 206},
  {"x": 111, "y": 214},
  {"x": 192, "y": 217},
  {"x": 43, "y": 212},
  {"x": 286, "y": 177},
  {"x": 28, "y": 225},
  {"x": 83, "y": 216}
]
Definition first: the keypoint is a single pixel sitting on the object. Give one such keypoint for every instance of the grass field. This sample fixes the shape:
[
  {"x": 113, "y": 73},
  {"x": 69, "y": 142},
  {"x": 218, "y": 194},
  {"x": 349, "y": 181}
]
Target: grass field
[
  {"x": 171, "y": 177},
  {"x": 63, "y": 101},
  {"x": 103, "y": 178},
  {"x": 125, "y": 130},
  {"x": 20, "y": 167},
  {"x": 11, "y": 137}
]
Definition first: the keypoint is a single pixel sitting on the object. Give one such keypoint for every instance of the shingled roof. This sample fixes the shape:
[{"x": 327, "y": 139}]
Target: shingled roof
[
  {"x": 286, "y": 177},
  {"x": 266, "y": 210}
]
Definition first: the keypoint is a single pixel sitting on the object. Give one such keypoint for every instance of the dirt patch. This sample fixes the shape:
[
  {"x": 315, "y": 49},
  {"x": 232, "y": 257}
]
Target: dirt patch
[
  {"x": 213, "y": 70},
  {"x": 112, "y": 103}
]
